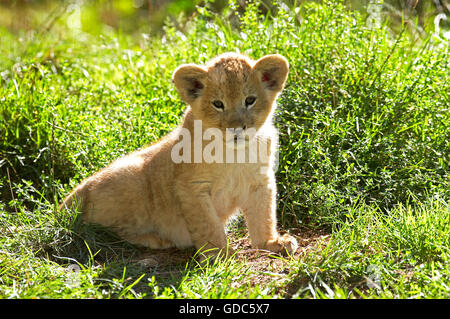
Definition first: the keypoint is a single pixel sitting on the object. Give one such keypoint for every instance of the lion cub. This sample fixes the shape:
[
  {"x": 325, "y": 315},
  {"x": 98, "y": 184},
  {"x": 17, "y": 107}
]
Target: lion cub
[{"x": 182, "y": 190}]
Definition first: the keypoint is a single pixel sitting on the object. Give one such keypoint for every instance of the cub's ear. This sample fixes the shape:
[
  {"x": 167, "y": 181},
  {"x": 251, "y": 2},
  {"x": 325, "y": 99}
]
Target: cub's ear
[
  {"x": 189, "y": 80},
  {"x": 272, "y": 71}
]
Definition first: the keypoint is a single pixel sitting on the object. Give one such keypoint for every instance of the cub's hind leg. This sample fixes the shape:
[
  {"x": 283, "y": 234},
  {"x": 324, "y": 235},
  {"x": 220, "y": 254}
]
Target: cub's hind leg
[{"x": 150, "y": 240}]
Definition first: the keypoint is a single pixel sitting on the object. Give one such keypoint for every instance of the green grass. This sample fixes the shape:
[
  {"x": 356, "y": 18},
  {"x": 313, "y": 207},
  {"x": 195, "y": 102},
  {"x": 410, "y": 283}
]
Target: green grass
[{"x": 362, "y": 177}]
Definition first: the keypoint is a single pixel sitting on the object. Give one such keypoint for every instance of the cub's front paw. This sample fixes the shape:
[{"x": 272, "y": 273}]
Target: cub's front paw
[{"x": 283, "y": 244}]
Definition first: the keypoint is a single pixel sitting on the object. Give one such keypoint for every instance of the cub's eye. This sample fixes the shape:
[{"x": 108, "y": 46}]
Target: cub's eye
[
  {"x": 249, "y": 101},
  {"x": 218, "y": 105}
]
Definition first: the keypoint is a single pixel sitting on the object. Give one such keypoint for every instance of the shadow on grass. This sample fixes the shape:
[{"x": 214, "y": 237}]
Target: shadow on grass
[{"x": 121, "y": 263}]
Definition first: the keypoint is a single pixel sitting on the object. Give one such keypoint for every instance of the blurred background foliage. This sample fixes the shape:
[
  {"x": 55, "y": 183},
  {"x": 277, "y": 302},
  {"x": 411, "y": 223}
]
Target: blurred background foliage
[{"x": 149, "y": 16}]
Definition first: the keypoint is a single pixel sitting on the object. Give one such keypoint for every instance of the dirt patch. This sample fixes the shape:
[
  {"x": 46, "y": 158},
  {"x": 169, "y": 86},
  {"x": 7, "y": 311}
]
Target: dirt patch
[
  {"x": 164, "y": 263},
  {"x": 264, "y": 266},
  {"x": 307, "y": 240}
]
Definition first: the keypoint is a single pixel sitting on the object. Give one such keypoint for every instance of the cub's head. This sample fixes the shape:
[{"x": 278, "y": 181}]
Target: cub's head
[{"x": 232, "y": 91}]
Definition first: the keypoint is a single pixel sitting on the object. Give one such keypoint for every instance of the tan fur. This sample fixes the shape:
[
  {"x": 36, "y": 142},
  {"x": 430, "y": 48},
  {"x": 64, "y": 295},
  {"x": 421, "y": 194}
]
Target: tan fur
[{"x": 152, "y": 201}]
